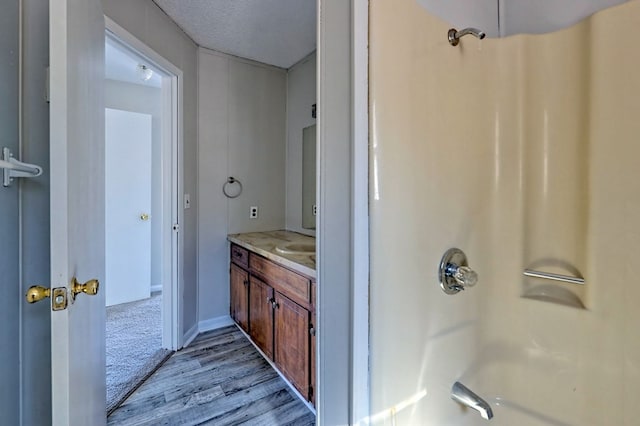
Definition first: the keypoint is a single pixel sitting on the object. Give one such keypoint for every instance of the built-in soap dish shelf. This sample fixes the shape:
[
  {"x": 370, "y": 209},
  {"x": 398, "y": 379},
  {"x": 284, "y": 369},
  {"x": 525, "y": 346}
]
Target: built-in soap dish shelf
[
  {"x": 562, "y": 289},
  {"x": 554, "y": 294}
]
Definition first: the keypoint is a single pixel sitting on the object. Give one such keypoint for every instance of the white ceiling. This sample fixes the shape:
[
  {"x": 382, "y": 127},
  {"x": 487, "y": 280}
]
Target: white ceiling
[
  {"x": 275, "y": 32},
  {"x": 122, "y": 65}
]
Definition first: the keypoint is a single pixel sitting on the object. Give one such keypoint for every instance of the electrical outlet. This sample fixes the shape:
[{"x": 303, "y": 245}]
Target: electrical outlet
[
  {"x": 315, "y": 210},
  {"x": 253, "y": 212}
]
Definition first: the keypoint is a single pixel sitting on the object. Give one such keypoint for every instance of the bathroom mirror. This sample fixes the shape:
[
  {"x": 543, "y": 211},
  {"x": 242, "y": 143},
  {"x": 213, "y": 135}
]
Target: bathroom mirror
[
  {"x": 309, "y": 177},
  {"x": 502, "y": 18}
]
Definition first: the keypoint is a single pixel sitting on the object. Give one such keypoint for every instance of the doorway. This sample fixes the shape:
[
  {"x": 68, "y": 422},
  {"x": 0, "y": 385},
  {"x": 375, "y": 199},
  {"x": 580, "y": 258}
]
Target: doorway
[{"x": 141, "y": 214}]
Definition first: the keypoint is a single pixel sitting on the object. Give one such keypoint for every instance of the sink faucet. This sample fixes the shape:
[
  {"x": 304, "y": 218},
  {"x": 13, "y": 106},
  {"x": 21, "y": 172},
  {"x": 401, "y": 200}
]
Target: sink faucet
[{"x": 465, "y": 396}]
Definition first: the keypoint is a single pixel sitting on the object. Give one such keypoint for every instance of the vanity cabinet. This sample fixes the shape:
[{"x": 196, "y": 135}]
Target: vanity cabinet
[
  {"x": 239, "y": 308},
  {"x": 292, "y": 342},
  {"x": 261, "y": 310},
  {"x": 278, "y": 307}
]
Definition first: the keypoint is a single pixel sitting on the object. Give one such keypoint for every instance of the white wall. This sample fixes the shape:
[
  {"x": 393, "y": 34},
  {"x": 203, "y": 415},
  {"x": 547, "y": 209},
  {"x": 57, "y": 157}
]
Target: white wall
[
  {"x": 301, "y": 95},
  {"x": 543, "y": 186},
  {"x": 146, "y": 100},
  {"x": 152, "y": 26},
  {"x": 241, "y": 134}
]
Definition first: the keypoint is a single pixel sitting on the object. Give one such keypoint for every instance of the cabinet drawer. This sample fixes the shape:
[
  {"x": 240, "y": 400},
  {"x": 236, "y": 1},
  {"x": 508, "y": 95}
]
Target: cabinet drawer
[
  {"x": 239, "y": 255},
  {"x": 283, "y": 280}
]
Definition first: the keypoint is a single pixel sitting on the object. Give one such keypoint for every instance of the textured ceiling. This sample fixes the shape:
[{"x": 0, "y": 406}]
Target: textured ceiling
[{"x": 276, "y": 32}]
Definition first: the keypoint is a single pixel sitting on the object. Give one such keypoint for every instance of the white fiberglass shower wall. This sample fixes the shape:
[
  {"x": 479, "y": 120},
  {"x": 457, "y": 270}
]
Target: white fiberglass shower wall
[{"x": 522, "y": 151}]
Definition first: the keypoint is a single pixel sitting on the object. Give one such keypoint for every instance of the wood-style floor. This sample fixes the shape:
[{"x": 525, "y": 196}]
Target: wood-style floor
[{"x": 220, "y": 379}]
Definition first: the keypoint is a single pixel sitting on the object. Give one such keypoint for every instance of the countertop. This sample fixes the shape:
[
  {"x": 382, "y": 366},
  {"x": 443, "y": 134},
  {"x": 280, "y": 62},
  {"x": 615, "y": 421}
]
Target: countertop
[{"x": 264, "y": 243}]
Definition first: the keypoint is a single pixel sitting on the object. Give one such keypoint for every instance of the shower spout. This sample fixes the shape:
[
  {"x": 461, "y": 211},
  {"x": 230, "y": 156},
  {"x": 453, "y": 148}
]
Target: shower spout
[
  {"x": 455, "y": 35},
  {"x": 465, "y": 396}
]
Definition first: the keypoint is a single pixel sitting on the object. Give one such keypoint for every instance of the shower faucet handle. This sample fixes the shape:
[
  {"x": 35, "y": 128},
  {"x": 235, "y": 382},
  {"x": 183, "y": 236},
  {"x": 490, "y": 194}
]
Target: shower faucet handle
[
  {"x": 465, "y": 276},
  {"x": 455, "y": 273}
]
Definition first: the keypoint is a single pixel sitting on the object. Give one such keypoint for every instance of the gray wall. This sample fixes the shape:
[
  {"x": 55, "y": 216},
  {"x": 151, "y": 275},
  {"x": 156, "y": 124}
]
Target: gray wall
[
  {"x": 36, "y": 335},
  {"x": 25, "y": 330},
  {"x": 241, "y": 134},
  {"x": 301, "y": 94},
  {"x": 9, "y": 277},
  {"x": 146, "y": 100},
  {"x": 150, "y": 24}
]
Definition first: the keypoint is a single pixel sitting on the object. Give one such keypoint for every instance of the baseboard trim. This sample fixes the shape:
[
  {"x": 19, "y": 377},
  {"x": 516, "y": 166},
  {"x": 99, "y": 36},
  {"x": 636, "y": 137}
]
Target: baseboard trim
[
  {"x": 214, "y": 323},
  {"x": 191, "y": 334},
  {"x": 206, "y": 325}
]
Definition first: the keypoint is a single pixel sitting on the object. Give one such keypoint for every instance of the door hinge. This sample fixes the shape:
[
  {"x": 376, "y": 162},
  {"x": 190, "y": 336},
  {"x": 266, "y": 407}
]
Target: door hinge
[{"x": 47, "y": 86}]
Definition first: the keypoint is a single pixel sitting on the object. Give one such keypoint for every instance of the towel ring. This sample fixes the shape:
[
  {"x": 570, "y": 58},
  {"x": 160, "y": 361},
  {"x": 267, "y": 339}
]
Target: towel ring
[{"x": 230, "y": 181}]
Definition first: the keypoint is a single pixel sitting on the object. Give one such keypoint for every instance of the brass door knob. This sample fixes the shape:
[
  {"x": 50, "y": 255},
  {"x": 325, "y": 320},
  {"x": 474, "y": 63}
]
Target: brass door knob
[
  {"x": 90, "y": 288},
  {"x": 36, "y": 293},
  {"x": 144, "y": 216}
]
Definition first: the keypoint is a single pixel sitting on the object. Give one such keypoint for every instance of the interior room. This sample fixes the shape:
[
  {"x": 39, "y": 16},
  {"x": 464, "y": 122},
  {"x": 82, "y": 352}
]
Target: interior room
[
  {"x": 256, "y": 82},
  {"x": 441, "y": 259},
  {"x": 133, "y": 219}
]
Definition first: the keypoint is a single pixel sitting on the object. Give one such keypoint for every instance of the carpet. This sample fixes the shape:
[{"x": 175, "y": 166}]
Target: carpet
[{"x": 134, "y": 346}]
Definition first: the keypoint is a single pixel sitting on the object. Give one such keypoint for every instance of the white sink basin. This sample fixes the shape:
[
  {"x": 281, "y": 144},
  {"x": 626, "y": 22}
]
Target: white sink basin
[{"x": 296, "y": 248}]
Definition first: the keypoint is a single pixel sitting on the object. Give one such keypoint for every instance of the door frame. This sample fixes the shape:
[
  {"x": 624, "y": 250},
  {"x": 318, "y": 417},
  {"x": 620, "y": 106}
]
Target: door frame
[
  {"x": 360, "y": 211},
  {"x": 343, "y": 217},
  {"x": 172, "y": 160}
]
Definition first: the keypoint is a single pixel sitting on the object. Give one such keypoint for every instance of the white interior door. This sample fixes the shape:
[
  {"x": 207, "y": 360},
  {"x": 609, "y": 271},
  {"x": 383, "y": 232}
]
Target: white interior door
[
  {"x": 77, "y": 209},
  {"x": 128, "y": 213}
]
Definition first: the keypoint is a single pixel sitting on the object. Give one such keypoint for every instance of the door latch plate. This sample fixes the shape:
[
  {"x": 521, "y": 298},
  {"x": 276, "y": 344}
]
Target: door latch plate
[{"x": 59, "y": 299}]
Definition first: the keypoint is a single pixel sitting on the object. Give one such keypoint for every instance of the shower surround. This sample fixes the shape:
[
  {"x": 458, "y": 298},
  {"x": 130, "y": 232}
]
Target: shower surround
[{"x": 522, "y": 151}]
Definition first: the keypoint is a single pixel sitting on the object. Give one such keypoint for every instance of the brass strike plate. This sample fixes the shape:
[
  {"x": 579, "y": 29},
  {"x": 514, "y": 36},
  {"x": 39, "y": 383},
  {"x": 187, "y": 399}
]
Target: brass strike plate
[{"x": 59, "y": 299}]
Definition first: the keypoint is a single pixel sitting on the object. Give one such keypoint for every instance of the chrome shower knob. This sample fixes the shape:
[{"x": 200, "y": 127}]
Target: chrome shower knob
[
  {"x": 454, "y": 272},
  {"x": 465, "y": 276}
]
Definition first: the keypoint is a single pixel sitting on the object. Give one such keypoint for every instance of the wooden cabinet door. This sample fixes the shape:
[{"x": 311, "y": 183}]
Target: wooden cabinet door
[
  {"x": 313, "y": 332},
  {"x": 292, "y": 342},
  {"x": 239, "y": 309},
  {"x": 261, "y": 315}
]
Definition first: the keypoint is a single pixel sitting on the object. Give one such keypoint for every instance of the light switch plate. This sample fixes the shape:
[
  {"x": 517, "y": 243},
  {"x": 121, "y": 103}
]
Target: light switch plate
[{"x": 187, "y": 201}]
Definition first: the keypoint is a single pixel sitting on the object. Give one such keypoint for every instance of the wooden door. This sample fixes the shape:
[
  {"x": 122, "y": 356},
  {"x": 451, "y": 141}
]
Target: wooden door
[
  {"x": 292, "y": 342},
  {"x": 240, "y": 297},
  {"x": 77, "y": 210},
  {"x": 261, "y": 315}
]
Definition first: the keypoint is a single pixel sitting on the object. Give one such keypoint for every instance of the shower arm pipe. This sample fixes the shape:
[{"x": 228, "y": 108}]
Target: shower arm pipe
[{"x": 454, "y": 35}]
